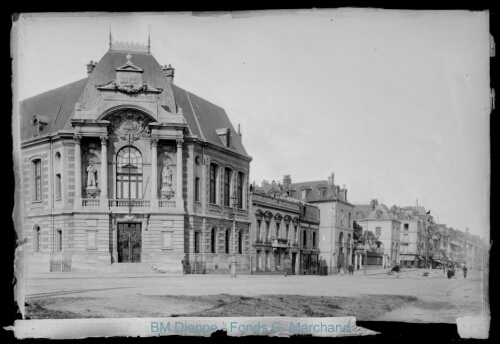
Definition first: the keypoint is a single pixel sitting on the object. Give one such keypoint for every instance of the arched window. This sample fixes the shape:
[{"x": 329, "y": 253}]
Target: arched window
[
  {"x": 59, "y": 240},
  {"x": 129, "y": 173},
  {"x": 213, "y": 183},
  {"x": 240, "y": 190},
  {"x": 37, "y": 179},
  {"x": 37, "y": 239},
  {"x": 212, "y": 240},
  {"x": 349, "y": 224},
  {"x": 227, "y": 185}
]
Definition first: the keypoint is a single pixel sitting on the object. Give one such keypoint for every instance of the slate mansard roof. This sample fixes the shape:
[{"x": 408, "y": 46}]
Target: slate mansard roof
[{"x": 202, "y": 117}]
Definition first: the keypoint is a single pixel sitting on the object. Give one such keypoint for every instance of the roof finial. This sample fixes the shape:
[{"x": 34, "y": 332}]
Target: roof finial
[
  {"x": 110, "y": 37},
  {"x": 149, "y": 39}
]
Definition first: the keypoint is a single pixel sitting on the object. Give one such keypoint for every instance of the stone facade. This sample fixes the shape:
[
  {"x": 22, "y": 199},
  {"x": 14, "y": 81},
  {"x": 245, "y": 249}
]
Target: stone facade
[
  {"x": 127, "y": 171},
  {"x": 285, "y": 233}
]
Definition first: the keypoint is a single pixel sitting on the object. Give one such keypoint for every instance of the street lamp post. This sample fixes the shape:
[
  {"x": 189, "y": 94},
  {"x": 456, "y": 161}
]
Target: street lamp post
[{"x": 234, "y": 200}]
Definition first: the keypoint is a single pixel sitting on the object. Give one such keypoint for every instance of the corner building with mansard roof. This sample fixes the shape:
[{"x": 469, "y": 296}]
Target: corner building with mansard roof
[{"x": 125, "y": 167}]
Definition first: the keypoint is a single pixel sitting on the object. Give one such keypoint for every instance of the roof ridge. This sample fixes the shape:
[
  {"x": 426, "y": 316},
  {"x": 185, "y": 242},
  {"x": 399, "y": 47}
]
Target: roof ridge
[{"x": 195, "y": 115}]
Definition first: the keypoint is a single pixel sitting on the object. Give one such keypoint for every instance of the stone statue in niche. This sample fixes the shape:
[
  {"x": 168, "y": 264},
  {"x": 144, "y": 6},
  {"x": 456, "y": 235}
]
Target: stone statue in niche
[
  {"x": 92, "y": 189},
  {"x": 91, "y": 177},
  {"x": 166, "y": 181}
]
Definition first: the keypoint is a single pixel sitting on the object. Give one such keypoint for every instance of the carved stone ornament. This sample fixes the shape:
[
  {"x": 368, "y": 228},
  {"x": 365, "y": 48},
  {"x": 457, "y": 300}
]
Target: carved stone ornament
[
  {"x": 129, "y": 88},
  {"x": 77, "y": 138},
  {"x": 378, "y": 214},
  {"x": 104, "y": 140},
  {"x": 128, "y": 122}
]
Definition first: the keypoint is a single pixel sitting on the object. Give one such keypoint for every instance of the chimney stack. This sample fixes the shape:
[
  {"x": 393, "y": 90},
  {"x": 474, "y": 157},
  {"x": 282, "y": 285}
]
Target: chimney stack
[
  {"x": 91, "y": 66},
  {"x": 287, "y": 181},
  {"x": 169, "y": 73},
  {"x": 330, "y": 186}
]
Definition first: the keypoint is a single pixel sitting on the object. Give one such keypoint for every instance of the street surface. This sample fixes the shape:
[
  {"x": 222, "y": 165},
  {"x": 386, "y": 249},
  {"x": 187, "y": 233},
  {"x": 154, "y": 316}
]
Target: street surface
[{"x": 438, "y": 299}]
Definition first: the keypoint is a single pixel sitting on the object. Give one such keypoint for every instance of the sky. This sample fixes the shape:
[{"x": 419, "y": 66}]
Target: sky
[{"x": 395, "y": 103}]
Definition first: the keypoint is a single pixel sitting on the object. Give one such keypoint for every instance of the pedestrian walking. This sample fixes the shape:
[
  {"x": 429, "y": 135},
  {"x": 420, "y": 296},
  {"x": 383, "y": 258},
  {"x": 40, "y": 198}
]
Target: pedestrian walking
[
  {"x": 185, "y": 265},
  {"x": 465, "y": 271}
]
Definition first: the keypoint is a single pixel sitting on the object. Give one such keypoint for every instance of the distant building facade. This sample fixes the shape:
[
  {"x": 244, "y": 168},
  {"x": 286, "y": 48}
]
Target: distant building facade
[
  {"x": 335, "y": 225},
  {"x": 285, "y": 232},
  {"x": 378, "y": 219}
]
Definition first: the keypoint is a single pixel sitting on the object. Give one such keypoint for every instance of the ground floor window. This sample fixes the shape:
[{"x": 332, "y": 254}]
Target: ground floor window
[
  {"x": 59, "y": 240},
  {"x": 197, "y": 242}
]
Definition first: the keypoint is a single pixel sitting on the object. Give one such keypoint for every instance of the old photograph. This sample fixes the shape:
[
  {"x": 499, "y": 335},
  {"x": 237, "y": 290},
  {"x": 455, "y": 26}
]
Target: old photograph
[{"x": 313, "y": 164}]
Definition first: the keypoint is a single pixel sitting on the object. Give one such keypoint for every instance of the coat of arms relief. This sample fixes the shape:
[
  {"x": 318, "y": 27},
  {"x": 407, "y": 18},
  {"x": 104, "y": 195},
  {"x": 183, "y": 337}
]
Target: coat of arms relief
[{"x": 130, "y": 125}]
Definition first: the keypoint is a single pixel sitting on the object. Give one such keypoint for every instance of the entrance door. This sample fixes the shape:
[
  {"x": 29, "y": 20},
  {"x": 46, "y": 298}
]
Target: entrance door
[
  {"x": 294, "y": 258},
  {"x": 129, "y": 243}
]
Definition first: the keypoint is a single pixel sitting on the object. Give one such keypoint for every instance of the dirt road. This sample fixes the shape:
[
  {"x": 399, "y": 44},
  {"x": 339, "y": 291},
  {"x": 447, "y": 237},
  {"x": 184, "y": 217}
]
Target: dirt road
[{"x": 409, "y": 297}]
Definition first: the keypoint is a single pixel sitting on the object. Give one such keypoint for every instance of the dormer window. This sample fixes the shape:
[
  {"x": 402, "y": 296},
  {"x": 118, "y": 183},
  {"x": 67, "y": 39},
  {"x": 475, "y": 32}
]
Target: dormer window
[
  {"x": 39, "y": 122},
  {"x": 225, "y": 136}
]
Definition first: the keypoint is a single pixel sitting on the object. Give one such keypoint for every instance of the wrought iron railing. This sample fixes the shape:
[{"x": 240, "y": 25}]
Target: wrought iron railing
[
  {"x": 124, "y": 203},
  {"x": 280, "y": 242}
]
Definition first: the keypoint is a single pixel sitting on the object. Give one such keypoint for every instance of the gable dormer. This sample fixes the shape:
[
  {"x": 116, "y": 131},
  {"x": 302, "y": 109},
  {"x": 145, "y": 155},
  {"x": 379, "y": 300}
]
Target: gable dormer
[
  {"x": 39, "y": 122},
  {"x": 225, "y": 136}
]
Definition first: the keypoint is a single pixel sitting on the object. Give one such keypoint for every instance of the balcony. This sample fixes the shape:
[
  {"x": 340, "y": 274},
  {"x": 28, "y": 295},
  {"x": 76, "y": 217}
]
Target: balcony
[
  {"x": 166, "y": 204},
  {"x": 91, "y": 202},
  {"x": 125, "y": 203},
  {"x": 137, "y": 204},
  {"x": 280, "y": 243}
]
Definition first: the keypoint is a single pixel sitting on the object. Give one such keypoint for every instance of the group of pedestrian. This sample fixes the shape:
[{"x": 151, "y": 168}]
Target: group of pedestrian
[{"x": 450, "y": 270}]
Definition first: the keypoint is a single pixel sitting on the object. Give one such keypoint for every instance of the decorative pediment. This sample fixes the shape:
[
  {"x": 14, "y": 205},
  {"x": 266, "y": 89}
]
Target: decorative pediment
[{"x": 128, "y": 80}]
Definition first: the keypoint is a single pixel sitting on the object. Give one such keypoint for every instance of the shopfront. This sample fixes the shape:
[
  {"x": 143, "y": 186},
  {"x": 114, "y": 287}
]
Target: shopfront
[{"x": 309, "y": 263}]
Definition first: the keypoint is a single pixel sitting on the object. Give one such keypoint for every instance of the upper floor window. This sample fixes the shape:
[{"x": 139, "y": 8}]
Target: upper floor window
[
  {"x": 227, "y": 184},
  {"x": 406, "y": 226},
  {"x": 341, "y": 217},
  {"x": 213, "y": 183},
  {"x": 304, "y": 238},
  {"x": 349, "y": 223},
  {"x": 228, "y": 138},
  {"x": 378, "y": 230},
  {"x": 314, "y": 239},
  {"x": 129, "y": 173},
  {"x": 240, "y": 190},
  {"x": 37, "y": 178},
  {"x": 58, "y": 186},
  {"x": 197, "y": 189}
]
